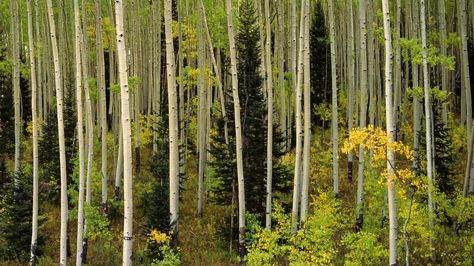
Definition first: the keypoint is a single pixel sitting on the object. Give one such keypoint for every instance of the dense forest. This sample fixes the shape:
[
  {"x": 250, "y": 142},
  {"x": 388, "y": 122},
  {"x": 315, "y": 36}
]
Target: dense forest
[{"x": 236, "y": 132}]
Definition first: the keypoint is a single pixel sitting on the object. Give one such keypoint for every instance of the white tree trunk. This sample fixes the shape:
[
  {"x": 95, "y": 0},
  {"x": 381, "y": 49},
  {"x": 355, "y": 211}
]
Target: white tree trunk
[
  {"x": 238, "y": 126},
  {"x": 299, "y": 130},
  {"x": 16, "y": 84},
  {"x": 202, "y": 126},
  {"x": 173, "y": 118},
  {"x": 307, "y": 118},
  {"x": 428, "y": 126},
  {"x": 392, "y": 204},
  {"x": 126, "y": 131},
  {"x": 269, "y": 80},
  {"x": 334, "y": 125},
  {"x": 34, "y": 115},
  {"x": 62, "y": 150},
  {"x": 363, "y": 108},
  {"x": 80, "y": 133}
]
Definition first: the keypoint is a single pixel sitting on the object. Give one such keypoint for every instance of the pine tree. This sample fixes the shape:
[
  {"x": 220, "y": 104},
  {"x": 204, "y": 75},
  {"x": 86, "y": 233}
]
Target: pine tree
[{"x": 253, "y": 111}]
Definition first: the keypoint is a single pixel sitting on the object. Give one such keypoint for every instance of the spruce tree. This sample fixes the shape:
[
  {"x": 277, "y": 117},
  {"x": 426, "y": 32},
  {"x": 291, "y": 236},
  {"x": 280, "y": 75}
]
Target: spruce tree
[{"x": 253, "y": 113}]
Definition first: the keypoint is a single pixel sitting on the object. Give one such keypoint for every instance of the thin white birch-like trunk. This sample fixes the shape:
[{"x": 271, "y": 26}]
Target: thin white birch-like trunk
[
  {"x": 363, "y": 109},
  {"x": 299, "y": 130},
  {"x": 34, "y": 116},
  {"x": 202, "y": 126},
  {"x": 391, "y": 194},
  {"x": 16, "y": 84},
  {"x": 238, "y": 127},
  {"x": 351, "y": 84},
  {"x": 307, "y": 118},
  {"x": 428, "y": 127},
  {"x": 62, "y": 149},
  {"x": 173, "y": 119},
  {"x": 80, "y": 132},
  {"x": 269, "y": 80},
  {"x": 334, "y": 125},
  {"x": 127, "y": 144}
]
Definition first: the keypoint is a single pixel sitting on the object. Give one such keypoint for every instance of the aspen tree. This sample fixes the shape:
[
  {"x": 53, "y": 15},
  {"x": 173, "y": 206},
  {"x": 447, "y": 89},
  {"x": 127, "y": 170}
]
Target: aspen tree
[
  {"x": 126, "y": 131},
  {"x": 428, "y": 112},
  {"x": 299, "y": 130},
  {"x": 307, "y": 118},
  {"x": 238, "y": 128},
  {"x": 416, "y": 103},
  {"x": 269, "y": 80},
  {"x": 391, "y": 194},
  {"x": 443, "y": 51},
  {"x": 281, "y": 70},
  {"x": 80, "y": 133},
  {"x": 173, "y": 119},
  {"x": 16, "y": 83},
  {"x": 334, "y": 126},
  {"x": 201, "y": 115},
  {"x": 34, "y": 115},
  {"x": 350, "y": 85},
  {"x": 363, "y": 108},
  {"x": 103, "y": 102},
  {"x": 62, "y": 150}
]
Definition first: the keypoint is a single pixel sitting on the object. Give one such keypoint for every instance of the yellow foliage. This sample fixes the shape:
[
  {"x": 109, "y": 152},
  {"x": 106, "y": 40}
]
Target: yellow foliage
[{"x": 159, "y": 237}]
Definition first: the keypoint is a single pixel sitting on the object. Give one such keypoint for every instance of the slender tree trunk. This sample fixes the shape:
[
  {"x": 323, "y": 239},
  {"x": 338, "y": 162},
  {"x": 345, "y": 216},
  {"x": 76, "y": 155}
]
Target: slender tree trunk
[
  {"x": 127, "y": 144},
  {"x": 466, "y": 77},
  {"x": 428, "y": 128},
  {"x": 80, "y": 133},
  {"x": 238, "y": 129},
  {"x": 62, "y": 150},
  {"x": 416, "y": 103},
  {"x": 34, "y": 115},
  {"x": 269, "y": 80},
  {"x": 173, "y": 119},
  {"x": 363, "y": 110},
  {"x": 391, "y": 194},
  {"x": 443, "y": 51},
  {"x": 351, "y": 84},
  {"x": 334, "y": 126},
  {"x": 299, "y": 130},
  {"x": 16, "y": 84},
  {"x": 307, "y": 117},
  {"x": 103, "y": 103},
  {"x": 201, "y": 115},
  {"x": 281, "y": 70}
]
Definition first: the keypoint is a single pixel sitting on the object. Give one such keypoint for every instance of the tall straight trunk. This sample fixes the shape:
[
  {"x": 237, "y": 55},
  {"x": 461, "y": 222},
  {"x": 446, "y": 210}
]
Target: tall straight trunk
[
  {"x": 127, "y": 144},
  {"x": 293, "y": 64},
  {"x": 397, "y": 71},
  {"x": 299, "y": 130},
  {"x": 89, "y": 130},
  {"x": 182, "y": 100},
  {"x": 416, "y": 103},
  {"x": 466, "y": 78},
  {"x": 16, "y": 83},
  {"x": 428, "y": 127},
  {"x": 202, "y": 126},
  {"x": 269, "y": 80},
  {"x": 391, "y": 194},
  {"x": 281, "y": 69},
  {"x": 62, "y": 150},
  {"x": 334, "y": 126},
  {"x": 443, "y": 51},
  {"x": 173, "y": 119},
  {"x": 102, "y": 104},
  {"x": 351, "y": 84},
  {"x": 39, "y": 74},
  {"x": 238, "y": 128},
  {"x": 371, "y": 62},
  {"x": 34, "y": 116},
  {"x": 80, "y": 133},
  {"x": 307, "y": 118},
  {"x": 119, "y": 168},
  {"x": 216, "y": 67},
  {"x": 363, "y": 109}
]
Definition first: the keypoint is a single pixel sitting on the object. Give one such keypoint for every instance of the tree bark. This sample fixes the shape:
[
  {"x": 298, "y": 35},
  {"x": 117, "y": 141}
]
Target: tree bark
[
  {"x": 34, "y": 115},
  {"x": 238, "y": 129},
  {"x": 127, "y": 144},
  {"x": 391, "y": 194},
  {"x": 16, "y": 84},
  {"x": 62, "y": 151},
  {"x": 173, "y": 119}
]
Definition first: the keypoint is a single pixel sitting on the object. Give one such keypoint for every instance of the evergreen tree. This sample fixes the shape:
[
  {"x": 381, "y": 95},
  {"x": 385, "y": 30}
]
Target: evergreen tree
[
  {"x": 48, "y": 147},
  {"x": 15, "y": 214},
  {"x": 253, "y": 113},
  {"x": 320, "y": 62}
]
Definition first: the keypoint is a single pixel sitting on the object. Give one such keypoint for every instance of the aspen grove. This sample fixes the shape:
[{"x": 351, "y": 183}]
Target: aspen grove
[{"x": 236, "y": 132}]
